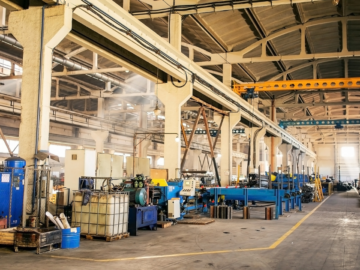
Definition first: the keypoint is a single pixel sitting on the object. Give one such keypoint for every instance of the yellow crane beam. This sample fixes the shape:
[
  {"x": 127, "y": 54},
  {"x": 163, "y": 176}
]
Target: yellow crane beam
[{"x": 335, "y": 83}]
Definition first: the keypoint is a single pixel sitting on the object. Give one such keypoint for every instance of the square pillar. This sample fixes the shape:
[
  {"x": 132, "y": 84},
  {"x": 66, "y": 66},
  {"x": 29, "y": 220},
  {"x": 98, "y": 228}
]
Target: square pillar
[
  {"x": 99, "y": 137},
  {"x": 26, "y": 26},
  {"x": 285, "y": 149},
  {"x": 173, "y": 98},
  {"x": 227, "y": 74},
  {"x": 101, "y": 107},
  {"x": 273, "y": 143},
  {"x": 255, "y": 134},
  {"x": 175, "y": 22},
  {"x": 226, "y": 147}
]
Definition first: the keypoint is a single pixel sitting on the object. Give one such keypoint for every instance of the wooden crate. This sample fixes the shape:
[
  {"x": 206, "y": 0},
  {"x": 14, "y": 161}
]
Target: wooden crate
[{"x": 7, "y": 236}]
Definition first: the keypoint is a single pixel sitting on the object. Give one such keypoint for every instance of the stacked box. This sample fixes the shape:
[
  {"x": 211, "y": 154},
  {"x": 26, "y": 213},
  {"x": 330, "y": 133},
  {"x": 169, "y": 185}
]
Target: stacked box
[{"x": 105, "y": 214}]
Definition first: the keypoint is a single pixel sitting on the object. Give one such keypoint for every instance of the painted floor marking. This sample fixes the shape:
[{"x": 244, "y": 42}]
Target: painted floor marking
[{"x": 273, "y": 246}]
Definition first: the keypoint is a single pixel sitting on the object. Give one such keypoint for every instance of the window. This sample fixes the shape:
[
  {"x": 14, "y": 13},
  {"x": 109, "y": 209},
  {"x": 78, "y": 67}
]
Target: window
[
  {"x": 160, "y": 162},
  {"x": 12, "y": 144},
  {"x": 347, "y": 151},
  {"x": 58, "y": 150},
  {"x": 126, "y": 155}
]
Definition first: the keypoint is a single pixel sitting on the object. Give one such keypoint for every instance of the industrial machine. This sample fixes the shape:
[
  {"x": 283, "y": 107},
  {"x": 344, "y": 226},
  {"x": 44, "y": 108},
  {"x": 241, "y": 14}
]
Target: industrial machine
[
  {"x": 12, "y": 191},
  {"x": 141, "y": 213},
  {"x": 176, "y": 196},
  {"x": 188, "y": 188}
]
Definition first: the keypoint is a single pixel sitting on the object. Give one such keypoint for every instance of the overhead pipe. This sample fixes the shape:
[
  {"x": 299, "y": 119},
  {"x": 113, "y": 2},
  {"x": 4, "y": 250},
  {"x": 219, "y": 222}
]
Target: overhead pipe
[{"x": 65, "y": 62}]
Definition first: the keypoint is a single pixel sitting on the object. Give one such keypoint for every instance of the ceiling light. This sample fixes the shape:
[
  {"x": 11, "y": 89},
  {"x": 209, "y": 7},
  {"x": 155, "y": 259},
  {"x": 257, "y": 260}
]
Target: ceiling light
[
  {"x": 157, "y": 111},
  {"x": 127, "y": 71}
]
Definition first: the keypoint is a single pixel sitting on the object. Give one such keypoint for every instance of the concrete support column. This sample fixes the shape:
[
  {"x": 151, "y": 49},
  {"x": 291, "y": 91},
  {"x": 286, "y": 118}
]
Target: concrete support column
[
  {"x": 101, "y": 108},
  {"x": 144, "y": 148},
  {"x": 296, "y": 155},
  {"x": 18, "y": 88},
  {"x": 273, "y": 143},
  {"x": 226, "y": 147},
  {"x": 302, "y": 163},
  {"x": 126, "y": 5},
  {"x": 227, "y": 72},
  {"x": 3, "y": 16},
  {"x": 143, "y": 145},
  {"x": 99, "y": 136},
  {"x": 56, "y": 25},
  {"x": 175, "y": 30},
  {"x": 285, "y": 149},
  {"x": 173, "y": 98},
  {"x": 255, "y": 134}
]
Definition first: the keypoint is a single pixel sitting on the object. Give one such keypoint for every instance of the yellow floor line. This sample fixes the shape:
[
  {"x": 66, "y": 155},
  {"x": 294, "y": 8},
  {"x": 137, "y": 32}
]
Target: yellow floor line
[
  {"x": 274, "y": 245},
  {"x": 282, "y": 238}
]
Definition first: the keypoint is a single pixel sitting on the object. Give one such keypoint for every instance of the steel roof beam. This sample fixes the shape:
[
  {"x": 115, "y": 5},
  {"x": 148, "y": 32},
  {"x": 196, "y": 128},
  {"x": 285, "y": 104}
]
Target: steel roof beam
[
  {"x": 162, "y": 8},
  {"x": 238, "y": 57}
]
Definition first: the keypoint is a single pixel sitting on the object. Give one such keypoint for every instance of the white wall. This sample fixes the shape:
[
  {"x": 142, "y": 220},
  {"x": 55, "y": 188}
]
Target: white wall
[{"x": 325, "y": 159}]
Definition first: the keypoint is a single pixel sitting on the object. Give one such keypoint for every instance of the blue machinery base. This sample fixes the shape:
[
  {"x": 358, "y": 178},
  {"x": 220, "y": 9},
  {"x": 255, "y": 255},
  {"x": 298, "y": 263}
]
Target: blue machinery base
[
  {"x": 210, "y": 196},
  {"x": 277, "y": 196},
  {"x": 142, "y": 216}
]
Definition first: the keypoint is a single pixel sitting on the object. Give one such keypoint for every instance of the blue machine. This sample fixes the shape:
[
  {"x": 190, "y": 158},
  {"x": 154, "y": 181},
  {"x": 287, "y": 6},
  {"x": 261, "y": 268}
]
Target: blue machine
[
  {"x": 284, "y": 181},
  {"x": 12, "y": 190},
  {"x": 162, "y": 194},
  {"x": 142, "y": 216}
]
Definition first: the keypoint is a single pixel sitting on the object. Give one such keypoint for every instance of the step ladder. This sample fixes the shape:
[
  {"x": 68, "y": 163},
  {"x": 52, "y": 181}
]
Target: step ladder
[{"x": 319, "y": 196}]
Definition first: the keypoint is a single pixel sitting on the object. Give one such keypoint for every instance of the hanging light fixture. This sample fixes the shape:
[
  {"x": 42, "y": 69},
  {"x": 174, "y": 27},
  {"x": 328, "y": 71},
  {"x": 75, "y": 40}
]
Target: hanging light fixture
[{"x": 157, "y": 111}]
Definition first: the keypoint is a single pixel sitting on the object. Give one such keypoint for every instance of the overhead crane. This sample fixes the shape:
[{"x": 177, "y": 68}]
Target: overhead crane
[
  {"x": 293, "y": 85},
  {"x": 250, "y": 90},
  {"x": 338, "y": 123}
]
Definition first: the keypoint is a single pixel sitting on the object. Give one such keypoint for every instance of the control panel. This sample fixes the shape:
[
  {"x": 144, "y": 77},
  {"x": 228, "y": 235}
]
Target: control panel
[{"x": 188, "y": 188}]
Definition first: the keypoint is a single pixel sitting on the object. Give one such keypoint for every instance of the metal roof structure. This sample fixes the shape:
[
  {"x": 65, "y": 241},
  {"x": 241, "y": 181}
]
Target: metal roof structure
[{"x": 263, "y": 41}]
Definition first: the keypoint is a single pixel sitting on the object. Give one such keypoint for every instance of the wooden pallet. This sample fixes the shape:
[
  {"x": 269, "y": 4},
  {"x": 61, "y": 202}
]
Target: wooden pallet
[
  {"x": 201, "y": 221},
  {"x": 7, "y": 236},
  {"x": 107, "y": 238},
  {"x": 164, "y": 224},
  {"x": 193, "y": 216}
]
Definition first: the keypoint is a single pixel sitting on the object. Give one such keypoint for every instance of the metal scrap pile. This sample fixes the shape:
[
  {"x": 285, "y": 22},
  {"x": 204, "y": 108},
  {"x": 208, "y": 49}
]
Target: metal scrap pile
[{"x": 307, "y": 194}]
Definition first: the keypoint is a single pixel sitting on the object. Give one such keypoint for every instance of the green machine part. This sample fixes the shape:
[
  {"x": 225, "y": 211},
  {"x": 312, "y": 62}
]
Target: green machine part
[{"x": 137, "y": 195}]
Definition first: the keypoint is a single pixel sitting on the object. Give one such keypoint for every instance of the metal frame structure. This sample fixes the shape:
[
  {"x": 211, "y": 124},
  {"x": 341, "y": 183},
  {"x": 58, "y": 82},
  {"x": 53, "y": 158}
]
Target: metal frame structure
[
  {"x": 161, "y": 8},
  {"x": 239, "y": 56}
]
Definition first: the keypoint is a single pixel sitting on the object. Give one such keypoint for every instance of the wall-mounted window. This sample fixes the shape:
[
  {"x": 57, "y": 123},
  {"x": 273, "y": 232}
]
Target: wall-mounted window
[
  {"x": 160, "y": 162},
  {"x": 347, "y": 151},
  {"x": 12, "y": 144},
  {"x": 58, "y": 150}
]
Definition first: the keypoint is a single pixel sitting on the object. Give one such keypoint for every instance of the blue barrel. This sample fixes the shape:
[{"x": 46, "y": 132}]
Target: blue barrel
[
  {"x": 15, "y": 162},
  {"x": 70, "y": 238}
]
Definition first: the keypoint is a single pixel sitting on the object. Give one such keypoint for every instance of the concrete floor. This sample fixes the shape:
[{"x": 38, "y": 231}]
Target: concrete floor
[{"x": 327, "y": 239}]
